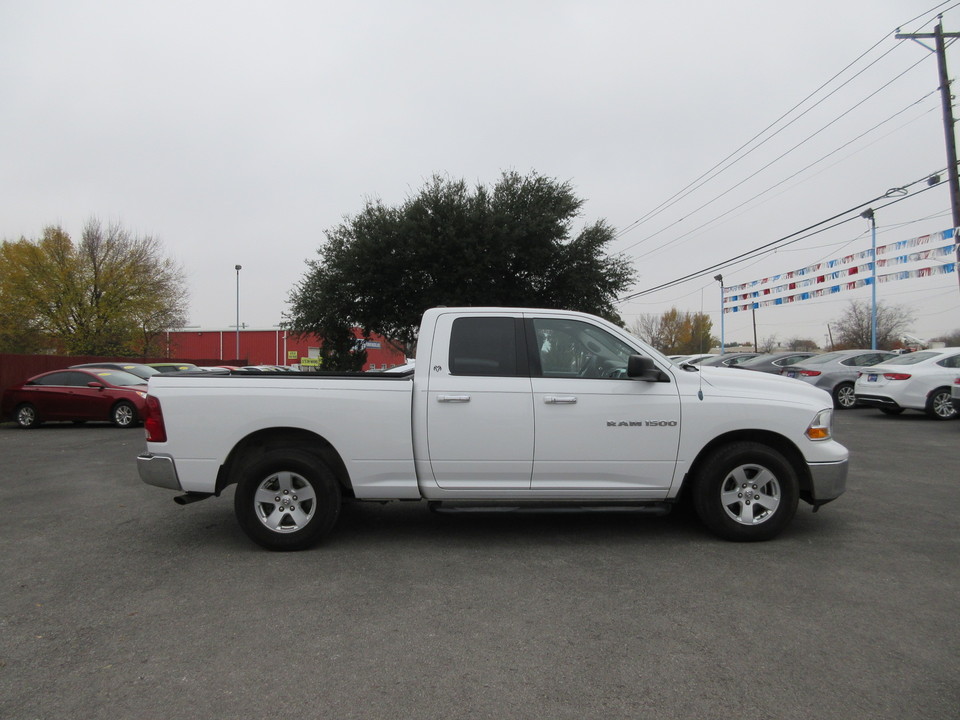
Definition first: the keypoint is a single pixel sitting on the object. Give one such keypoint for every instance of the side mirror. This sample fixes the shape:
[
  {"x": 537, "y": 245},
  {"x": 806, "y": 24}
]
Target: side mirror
[
  {"x": 94, "y": 384},
  {"x": 640, "y": 367}
]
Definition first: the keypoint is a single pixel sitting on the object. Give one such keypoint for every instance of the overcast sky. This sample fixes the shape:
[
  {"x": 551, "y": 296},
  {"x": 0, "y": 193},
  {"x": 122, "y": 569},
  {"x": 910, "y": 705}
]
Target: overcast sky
[{"x": 237, "y": 132}]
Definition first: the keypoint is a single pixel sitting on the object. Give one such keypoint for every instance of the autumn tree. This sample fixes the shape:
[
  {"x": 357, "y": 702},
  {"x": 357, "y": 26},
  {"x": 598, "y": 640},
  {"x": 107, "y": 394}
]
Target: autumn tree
[
  {"x": 112, "y": 293},
  {"x": 449, "y": 244},
  {"x": 854, "y": 328},
  {"x": 676, "y": 332}
]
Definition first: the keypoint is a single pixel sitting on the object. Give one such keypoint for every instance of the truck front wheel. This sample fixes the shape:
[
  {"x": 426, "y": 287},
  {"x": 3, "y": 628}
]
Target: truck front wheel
[
  {"x": 745, "y": 491},
  {"x": 287, "y": 500}
]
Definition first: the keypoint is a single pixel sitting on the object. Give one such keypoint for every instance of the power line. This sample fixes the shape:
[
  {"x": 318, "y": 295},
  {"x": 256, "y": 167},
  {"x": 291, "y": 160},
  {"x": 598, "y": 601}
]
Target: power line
[
  {"x": 778, "y": 184},
  {"x": 788, "y": 239},
  {"x": 726, "y": 163}
]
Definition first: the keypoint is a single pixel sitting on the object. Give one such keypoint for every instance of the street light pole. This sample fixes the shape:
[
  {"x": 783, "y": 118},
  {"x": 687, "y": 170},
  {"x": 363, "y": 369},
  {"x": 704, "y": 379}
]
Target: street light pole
[
  {"x": 868, "y": 215},
  {"x": 719, "y": 279},
  {"x": 238, "y": 268}
]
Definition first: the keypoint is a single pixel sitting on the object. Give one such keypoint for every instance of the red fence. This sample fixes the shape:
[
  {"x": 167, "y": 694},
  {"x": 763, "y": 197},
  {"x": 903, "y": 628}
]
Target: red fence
[{"x": 257, "y": 347}]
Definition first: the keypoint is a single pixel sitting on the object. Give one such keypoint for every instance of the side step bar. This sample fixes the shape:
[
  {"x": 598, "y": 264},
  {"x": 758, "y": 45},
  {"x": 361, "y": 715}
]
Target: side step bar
[{"x": 659, "y": 508}]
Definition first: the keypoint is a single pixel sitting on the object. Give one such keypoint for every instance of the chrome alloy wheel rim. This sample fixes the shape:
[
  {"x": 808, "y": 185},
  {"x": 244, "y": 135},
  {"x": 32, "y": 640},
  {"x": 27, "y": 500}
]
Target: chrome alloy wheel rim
[
  {"x": 750, "y": 494},
  {"x": 943, "y": 405},
  {"x": 285, "y": 502},
  {"x": 123, "y": 415},
  {"x": 846, "y": 396}
]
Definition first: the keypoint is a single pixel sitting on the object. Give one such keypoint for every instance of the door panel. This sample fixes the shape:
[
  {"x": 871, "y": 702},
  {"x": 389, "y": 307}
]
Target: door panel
[
  {"x": 616, "y": 435},
  {"x": 480, "y": 432},
  {"x": 480, "y": 405},
  {"x": 596, "y": 430}
]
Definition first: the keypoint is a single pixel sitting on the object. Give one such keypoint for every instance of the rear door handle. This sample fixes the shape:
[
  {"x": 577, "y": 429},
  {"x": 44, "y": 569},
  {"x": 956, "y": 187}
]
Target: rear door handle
[
  {"x": 453, "y": 398},
  {"x": 560, "y": 399}
]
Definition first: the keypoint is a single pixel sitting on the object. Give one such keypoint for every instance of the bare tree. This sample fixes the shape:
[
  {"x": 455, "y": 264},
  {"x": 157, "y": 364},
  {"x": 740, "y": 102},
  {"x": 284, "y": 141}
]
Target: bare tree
[
  {"x": 768, "y": 344},
  {"x": 854, "y": 328},
  {"x": 801, "y": 344}
]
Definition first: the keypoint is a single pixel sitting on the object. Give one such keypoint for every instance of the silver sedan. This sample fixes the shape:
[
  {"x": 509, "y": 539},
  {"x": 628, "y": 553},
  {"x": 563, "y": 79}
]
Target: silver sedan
[{"x": 836, "y": 372}]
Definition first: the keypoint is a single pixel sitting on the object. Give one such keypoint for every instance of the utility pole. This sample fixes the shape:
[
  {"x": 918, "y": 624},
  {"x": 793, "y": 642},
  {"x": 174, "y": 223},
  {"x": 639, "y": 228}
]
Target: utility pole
[{"x": 948, "y": 122}]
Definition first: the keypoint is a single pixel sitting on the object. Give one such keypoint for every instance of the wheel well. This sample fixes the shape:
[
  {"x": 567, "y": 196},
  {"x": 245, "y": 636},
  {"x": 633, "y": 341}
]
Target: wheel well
[
  {"x": 764, "y": 437},
  {"x": 945, "y": 388},
  {"x": 282, "y": 438}
]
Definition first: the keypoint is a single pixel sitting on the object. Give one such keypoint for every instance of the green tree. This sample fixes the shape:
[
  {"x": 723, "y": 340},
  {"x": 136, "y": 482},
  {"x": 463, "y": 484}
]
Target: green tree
[
  {"x": 110, "y": 294},
  {"x": 509, "y": 245},
  {"x": 676, "y": 332},
  {"x": 854, "y": 328}
]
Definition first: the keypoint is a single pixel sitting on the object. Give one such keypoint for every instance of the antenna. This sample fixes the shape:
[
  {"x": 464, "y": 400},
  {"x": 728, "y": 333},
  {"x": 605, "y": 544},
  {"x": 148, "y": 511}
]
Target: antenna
[{"x": 699, "y": 371}]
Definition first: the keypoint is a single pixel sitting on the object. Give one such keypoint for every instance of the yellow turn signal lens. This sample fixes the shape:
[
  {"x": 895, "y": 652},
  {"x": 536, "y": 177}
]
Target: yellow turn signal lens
[{"x": 822, "y": 426}]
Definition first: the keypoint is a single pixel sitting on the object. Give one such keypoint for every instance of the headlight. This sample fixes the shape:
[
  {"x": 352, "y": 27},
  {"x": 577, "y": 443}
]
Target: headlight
[
  {"x": 822, "y": 426},
  {"x": 141, "y": 394}
]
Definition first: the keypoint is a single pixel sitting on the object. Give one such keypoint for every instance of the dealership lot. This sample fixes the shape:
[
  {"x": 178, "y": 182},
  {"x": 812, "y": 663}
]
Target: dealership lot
[{"x": 117, "y": 603}]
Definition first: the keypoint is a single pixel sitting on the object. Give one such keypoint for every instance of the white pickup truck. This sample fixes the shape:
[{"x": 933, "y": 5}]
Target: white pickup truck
[{"x": 505, "y": 408}]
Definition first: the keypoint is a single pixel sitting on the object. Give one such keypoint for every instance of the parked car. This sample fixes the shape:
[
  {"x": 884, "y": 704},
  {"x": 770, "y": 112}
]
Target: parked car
[
  {"x": 77, "y": 394},
  {"x": 836, "y": 372},
  {"x": 955, "y": 395},
  {"x": 917, "y": 381},
  {"x": 773, "y": 363},
  {"x": 727, "y": 359},
  {"x": 170, "y": 367},
  {"x": 138, "y": 369},
  {"x": 692, "y": 359},
  {"x": 265, "y": 368}
]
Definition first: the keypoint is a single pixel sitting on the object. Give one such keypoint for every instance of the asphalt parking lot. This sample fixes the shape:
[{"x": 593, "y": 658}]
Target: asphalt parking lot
[{"x": 117, "y": 603}]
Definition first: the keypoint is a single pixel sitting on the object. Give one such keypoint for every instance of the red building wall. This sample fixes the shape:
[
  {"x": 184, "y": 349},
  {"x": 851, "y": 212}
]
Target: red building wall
[{"x": 267, "y": 347}]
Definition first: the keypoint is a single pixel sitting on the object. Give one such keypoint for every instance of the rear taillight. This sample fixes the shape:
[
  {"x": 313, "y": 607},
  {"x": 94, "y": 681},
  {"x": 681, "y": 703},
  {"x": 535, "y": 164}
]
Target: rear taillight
[
  {"x": 809, "y": 373},
  {"x": 153, "y": 421},
  {"x": 897, "y": 376}
]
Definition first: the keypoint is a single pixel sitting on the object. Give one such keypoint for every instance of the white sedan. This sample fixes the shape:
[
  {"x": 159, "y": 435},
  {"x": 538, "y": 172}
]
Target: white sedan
[{"x": 916, "y": 381}]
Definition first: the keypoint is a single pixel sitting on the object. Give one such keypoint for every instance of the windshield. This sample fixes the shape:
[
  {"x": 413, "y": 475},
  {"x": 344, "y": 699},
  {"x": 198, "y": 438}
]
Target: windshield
[
  {"x": 119, "y": 377},
  {"x": 911, "y": 358},
  {"x": 758, "y": 360},
  {"x": 823, "y": 359}
]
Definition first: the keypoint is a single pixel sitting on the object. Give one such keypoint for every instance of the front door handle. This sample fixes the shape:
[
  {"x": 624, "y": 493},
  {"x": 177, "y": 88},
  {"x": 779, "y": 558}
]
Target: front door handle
[
  {"x": 453, "y": 398},
  {"x": 560, "y": 399}
]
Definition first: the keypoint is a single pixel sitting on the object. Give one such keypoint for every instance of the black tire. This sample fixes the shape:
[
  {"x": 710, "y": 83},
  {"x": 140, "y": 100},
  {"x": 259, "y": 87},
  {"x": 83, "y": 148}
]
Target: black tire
[
  {"x": 844, "y": 397},
  {"x": 891, "y": 411},
  {"x": 745, "y": 492},
  {"x": 940, "y": 405},
  {"x": 287, "y": 500},
  {"x": 26, "y": 416},
  {"x": 124, "y": 415}
]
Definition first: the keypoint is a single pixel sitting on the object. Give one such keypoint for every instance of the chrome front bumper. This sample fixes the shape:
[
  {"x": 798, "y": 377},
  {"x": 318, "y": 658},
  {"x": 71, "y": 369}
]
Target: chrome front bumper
[
  {"x": 827, "y": 481},
  {"x": 158, "y": 470}
]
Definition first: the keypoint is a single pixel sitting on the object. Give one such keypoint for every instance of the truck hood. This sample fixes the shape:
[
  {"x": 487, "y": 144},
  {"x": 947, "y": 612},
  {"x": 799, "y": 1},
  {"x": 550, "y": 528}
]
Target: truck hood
[{"x": 747, "y": 383}]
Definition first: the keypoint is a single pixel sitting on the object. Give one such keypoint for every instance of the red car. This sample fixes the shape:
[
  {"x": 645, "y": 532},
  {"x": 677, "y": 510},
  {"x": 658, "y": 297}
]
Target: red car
[{"x": 78, "y": 395}]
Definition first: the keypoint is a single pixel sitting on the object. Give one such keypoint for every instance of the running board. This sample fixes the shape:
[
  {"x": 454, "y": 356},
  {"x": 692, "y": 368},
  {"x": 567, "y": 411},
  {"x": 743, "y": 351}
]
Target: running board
[{"x": 660, "y": 508}]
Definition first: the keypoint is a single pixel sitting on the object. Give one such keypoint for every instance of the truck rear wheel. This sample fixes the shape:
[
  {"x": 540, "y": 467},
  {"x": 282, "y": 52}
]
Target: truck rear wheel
[
  {"x": 745, "y": 491},
  {"x": 287, "y": 500}
]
